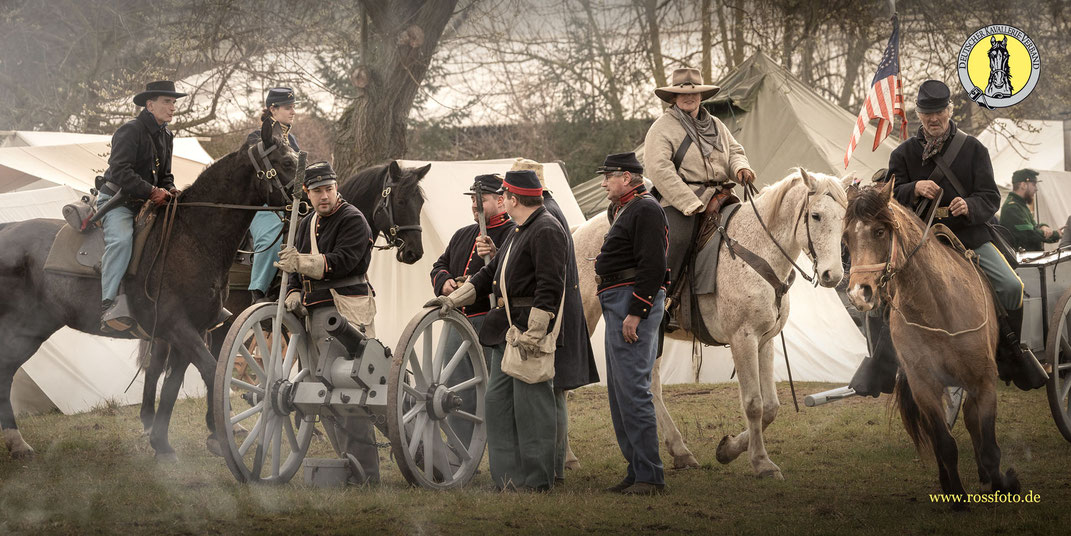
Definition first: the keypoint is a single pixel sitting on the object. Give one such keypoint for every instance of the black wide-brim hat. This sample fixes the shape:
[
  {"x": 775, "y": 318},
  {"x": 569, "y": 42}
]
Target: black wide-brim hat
[
  {"x": 489, "y": 184},
  {"x": 620, "y": 162},
  {"x": 318, "y": 174},
  {"x": 278, "y": 96},
  {"x": 523, "y": 182},
  {"x": 160, "y": 88},
  {"x": 933, "y": 97}
]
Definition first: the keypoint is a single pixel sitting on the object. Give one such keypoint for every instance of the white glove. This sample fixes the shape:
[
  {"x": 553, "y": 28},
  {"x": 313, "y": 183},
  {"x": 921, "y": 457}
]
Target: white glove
[
  {"x": 293, "y": 301},
  {"x": 464, "y": 295},
  {"x": 305, "y": 264}
]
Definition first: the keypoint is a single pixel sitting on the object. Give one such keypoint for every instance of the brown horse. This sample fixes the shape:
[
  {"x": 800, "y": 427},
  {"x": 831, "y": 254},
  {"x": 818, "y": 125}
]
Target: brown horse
[{"x": 944, "y": 326}]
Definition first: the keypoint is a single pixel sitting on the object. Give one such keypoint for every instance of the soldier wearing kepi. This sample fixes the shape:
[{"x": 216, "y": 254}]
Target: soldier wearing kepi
[
  {"x": 267, "y": 227},
  {"x": 139, "y": 168},
  {"x": 327, "y": 265},
  {"x": 464, "y": 256},
  {"x": 631, "y": 273},
  {"x": 1015, "y": 215},
  {"x": 520, "y": 416}
]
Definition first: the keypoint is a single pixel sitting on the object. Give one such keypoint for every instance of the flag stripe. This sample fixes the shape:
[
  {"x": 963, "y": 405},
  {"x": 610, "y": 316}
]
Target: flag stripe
[{"x": 885, "y": 99}]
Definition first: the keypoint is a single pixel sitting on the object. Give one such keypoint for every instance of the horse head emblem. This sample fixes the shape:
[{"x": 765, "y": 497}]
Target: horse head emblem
[{"x": 999, "y": 73}]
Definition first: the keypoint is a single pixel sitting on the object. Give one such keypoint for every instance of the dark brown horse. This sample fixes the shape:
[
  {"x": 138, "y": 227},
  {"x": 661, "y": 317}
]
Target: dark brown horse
[
  {"x": 390, "y": 198},
  {"x": 943, "y": 325},
  {"x": 182, "y": 285}
]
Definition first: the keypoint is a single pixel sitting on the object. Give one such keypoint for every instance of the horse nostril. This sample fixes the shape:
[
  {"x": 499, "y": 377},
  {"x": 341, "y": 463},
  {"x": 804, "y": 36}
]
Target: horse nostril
[
  {"x": 827, "y": 276},
  {"x": 868, "y": 292}
]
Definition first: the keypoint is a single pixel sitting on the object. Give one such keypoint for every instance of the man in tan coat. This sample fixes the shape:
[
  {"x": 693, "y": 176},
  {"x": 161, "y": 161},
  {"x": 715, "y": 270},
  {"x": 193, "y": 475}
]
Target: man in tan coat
[{"x": 691, "y": 157}]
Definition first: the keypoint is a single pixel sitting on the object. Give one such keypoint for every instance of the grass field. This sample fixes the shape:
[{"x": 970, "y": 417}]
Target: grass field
[{"x": 849, "y": 469}]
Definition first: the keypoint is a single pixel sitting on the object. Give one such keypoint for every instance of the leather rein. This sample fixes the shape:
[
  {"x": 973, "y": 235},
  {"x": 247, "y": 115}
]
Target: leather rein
[{"x": 890, "y": 267}]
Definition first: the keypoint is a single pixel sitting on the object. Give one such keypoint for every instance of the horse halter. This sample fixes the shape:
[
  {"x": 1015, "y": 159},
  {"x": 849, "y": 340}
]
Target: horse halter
[
  {"x": 888, "y": 269},
  {"x": 265, "y": 170},
  {"x": 390, "y": 230}
]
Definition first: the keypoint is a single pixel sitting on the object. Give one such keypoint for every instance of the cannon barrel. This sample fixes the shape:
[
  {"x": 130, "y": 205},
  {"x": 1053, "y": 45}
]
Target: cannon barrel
[{"x": 349, "y": 336}]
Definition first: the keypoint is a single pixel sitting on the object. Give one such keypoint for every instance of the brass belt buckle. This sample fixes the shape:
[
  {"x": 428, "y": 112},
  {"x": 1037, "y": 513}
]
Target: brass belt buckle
[
  {"x": 942, "y": 213},
  {"x": 598, "y": 279},
  {"x": 306, "y": 285}
]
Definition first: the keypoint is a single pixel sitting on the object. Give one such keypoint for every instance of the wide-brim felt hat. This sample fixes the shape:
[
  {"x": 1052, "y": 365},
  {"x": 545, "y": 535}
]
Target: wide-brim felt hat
[
  {"x": 318, "y": 174},
  {"x": 522, "y": 182},
  {"x": 489, "y": 184},
  {"x": 686, "y": 81},
  {"x": 620, "y": 162},
  {"x": 160, "y": 88},
  {"x": 278, "y": 96},
  {"x": 933, "y": 97}
]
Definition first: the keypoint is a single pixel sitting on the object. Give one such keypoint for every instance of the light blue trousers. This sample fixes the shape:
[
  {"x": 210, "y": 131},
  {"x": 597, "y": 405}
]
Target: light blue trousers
[
  {"x": 118, "y": 226},
  {"x": 265, "y": 228},
  {"x": 1006, "y": 282}
]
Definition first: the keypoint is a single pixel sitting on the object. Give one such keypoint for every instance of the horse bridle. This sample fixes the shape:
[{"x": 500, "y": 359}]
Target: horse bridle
[
  {"x": 264, "y": 168},
  {"x": 750, "y": 192},
  {"x": 383, "y": 206},
  {"x": 890, "y": 267}
]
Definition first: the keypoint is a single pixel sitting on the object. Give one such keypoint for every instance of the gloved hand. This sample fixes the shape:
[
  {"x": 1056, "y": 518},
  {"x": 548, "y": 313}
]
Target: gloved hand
[
  {"x": 538, "y": 320},
  {"x": 464, "y": 295},
  {"x": 293, "y": 301},
  {"x": 159, "y": 197},
  {"x": 306, "y": 264}
]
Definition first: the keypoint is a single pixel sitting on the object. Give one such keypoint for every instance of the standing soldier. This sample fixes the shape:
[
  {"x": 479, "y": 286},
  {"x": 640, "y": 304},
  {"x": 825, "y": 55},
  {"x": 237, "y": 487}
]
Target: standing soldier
[
  {"x": 574, "y": 360},
  {"x": 139, "y": 168},
  {"x": 520, "y": 416},
  {"x": 464, "y": 257},
  {"x": 630, "y": 272},
  {"x": 1015, "y": 215},
  {"x": 328, "y": 266}
]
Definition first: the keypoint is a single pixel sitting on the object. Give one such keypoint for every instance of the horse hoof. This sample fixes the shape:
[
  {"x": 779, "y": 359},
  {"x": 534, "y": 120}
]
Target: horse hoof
[
  {"x": 167, "y": 457},
  {"x": 572, "y": 465},
  {"x": 25, "y": 454},
  {"x": 772, "y": 473},
  {"x": 720, "y": 453},
  {"x": 1011, "y": 482},
  {"x": 686, "y": 461},
  {"x": 212, "y": 444}
]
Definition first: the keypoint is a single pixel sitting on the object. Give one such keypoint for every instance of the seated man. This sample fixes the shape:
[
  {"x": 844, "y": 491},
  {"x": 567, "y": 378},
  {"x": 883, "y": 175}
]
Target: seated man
[
  {"x": 140, "y": 167},
  {"x": 1015, "y": 215},
  {"x": 327, "y": 274}
]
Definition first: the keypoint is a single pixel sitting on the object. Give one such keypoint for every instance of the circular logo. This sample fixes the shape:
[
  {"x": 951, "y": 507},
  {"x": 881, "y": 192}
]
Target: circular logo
[{"x": 999, "y": 66}]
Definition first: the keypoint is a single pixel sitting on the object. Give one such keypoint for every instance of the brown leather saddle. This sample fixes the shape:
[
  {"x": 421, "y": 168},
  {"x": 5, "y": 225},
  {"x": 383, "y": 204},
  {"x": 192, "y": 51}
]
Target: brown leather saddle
[{"x": 79, "y": 254}]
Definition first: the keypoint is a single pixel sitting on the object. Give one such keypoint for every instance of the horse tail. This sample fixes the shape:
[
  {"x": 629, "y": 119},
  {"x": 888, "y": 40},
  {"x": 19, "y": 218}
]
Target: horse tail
[{"x": 910, "y": 413}]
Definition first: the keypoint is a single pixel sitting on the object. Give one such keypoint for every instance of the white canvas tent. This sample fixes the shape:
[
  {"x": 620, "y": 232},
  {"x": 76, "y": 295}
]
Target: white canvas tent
[
  {"x": 823, "y": 342},
  {"x": 31, "y": 160},
  {"x": 74, "y": 371}
]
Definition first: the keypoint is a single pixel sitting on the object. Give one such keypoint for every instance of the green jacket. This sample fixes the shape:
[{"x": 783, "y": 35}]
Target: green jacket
[{"x": 1015, "y": 216}]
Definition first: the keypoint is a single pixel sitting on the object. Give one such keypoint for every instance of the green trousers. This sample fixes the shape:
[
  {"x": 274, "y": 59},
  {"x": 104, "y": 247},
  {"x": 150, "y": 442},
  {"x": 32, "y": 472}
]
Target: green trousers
[
  {"x": 561, "y": 426},
  {"x": 1006, "y": 282},
  {"x": 521, "y": 430}
]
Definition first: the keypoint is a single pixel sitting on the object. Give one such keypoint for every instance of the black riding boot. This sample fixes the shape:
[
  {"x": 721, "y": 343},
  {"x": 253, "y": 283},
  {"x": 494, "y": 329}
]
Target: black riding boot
[
  {"x": 1013, "y": 364},
  {"x": 682, "y": 231},
  {"x": 877, "y": 373}
]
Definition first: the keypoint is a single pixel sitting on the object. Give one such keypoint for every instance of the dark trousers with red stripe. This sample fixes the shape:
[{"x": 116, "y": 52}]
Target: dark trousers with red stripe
[{"x": 628, "y": 382}]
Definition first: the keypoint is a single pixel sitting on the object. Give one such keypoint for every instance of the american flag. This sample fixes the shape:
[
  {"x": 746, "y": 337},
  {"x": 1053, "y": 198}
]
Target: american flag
[{"x": 885, "y": 98}]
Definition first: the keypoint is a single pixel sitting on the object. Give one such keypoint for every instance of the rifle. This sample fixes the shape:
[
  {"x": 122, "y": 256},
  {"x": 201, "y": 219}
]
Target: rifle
[{"x": 482, "y": 219}]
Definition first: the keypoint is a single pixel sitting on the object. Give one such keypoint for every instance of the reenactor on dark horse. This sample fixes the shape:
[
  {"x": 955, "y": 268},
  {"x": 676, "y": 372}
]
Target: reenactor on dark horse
[
  {"x": 267, "y": 226},
  {"x": 328, "y": 266},
  {"x": 139, "y": 168}
]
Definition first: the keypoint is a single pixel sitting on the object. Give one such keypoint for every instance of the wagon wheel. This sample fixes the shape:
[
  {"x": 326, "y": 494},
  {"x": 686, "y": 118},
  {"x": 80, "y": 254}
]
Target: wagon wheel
[
  {"x": 435, "y": 401},
  {"x": 1058, "y": 350},
  {"x": 251, "y": 386}
]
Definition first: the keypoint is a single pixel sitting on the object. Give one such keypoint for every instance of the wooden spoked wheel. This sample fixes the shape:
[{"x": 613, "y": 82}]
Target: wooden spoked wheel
[{"x": 1058, "y": 350}]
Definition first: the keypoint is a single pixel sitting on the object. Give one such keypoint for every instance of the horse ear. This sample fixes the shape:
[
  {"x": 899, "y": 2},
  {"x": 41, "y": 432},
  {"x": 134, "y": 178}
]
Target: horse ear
[
  {"x": 853, "y": 191},
  {"x": 422, "y": 171},
  {"x": 847, "y": 181},
  {"x": 394, "y": 169},
  {"x": 887, "y": 189},
  {"x": 266, "y": 131},
  {"x": 811, "y": 183}
]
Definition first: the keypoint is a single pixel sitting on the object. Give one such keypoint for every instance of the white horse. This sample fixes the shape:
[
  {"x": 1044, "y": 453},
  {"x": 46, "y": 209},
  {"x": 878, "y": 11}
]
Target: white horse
[{"x": 742, "y": 312}]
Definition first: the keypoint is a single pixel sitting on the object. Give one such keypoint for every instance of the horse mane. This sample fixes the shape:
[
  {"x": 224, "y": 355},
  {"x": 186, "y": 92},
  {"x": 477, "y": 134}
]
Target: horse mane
[
  {"x": 771, "y": 197},
  {"x": 871, "y": 205},
  {"x": 369, "y": 178}
]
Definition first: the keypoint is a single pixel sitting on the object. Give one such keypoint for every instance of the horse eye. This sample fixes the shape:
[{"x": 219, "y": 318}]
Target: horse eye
[
  {"x": 879, "y": 232},
  {"x": 816, "y": 216}
]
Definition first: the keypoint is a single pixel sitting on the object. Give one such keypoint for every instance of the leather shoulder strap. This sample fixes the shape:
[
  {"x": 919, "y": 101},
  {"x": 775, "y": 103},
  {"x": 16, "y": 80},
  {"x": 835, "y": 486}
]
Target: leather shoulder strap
[
  {"x": 678, "y": 155},
  {"x": 944, "y": 160}
]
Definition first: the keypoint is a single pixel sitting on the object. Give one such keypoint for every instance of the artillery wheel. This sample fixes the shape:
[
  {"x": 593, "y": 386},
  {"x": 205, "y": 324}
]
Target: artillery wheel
[
  {"x": 254, "y": 379},
  {"x": 435, "y": 401},
  {"x": 1058, "y": 350}
]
